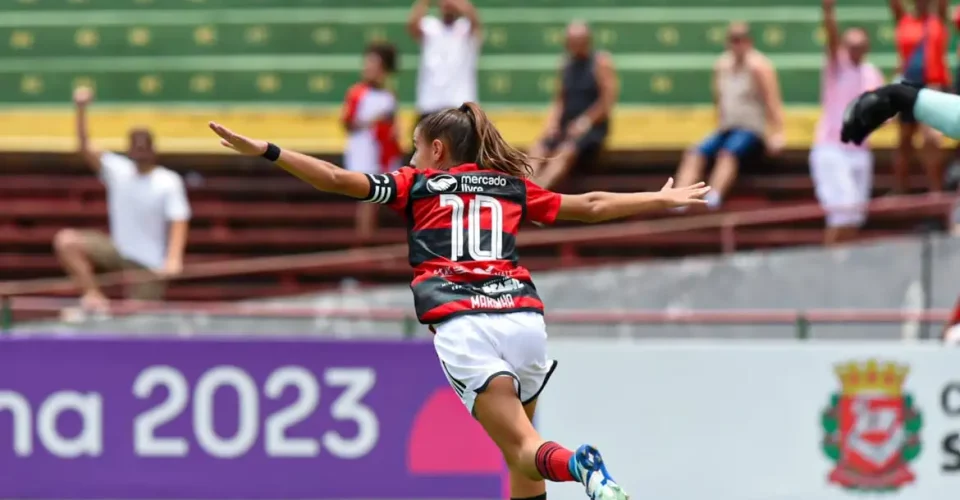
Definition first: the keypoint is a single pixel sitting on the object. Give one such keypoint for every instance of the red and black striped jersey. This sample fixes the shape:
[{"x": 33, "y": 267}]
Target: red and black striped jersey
[{"x": 462, "y": 227}]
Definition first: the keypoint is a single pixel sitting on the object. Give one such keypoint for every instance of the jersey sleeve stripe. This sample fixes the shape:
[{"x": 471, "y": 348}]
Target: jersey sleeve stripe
[{"x": 383, "y": 189}]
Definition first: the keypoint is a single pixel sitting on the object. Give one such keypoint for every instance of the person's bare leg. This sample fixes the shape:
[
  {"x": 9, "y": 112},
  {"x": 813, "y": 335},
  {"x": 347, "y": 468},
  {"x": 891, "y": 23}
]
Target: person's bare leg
[
  {"x": 366, "y": 221},
  {"x": 499, "y": 411},
  {"x": 691, "y": 168},
  {"x": 724, "y": 175},
  {"x": 68, "y": 245},
  {"x": 837, "y": 235},
  {"x": 537, "y": 155},
  {"x": 522, "y": 486},
  {"x": 556, "y": 167},
  {"x": 932, "y": 158},
  {"x": 902, "y": 158}
]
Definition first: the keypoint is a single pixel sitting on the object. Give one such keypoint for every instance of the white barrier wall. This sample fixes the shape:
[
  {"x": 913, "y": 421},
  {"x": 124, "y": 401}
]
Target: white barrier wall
[{"x": 731, "y": 420}]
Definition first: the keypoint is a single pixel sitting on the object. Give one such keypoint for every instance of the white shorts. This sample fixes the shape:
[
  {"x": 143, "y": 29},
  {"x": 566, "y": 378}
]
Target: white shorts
[
  {"x": 843, "y": 179},
  {"x": 476, "y": 348}
]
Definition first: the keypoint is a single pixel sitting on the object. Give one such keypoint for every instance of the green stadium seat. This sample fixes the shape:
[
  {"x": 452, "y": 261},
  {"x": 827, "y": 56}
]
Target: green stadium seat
[
  {"x": 516, "y": 87},
  {"x": 289, "y": 39},
  {"x": 310, "y": 55}
]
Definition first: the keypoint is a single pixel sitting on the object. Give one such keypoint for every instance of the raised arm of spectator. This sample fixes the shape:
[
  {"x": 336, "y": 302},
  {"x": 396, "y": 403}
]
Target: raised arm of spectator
[
  {"x": 469, "y": 11},
  {"x": 609, "y": 89},
  {"x": 830, "y": 29},
  {"x": 82, "y": 97},
  {"x": 897, "y": 9},
  {"x": 766, "y": 76},
  {"x": 417, "y": 13}
]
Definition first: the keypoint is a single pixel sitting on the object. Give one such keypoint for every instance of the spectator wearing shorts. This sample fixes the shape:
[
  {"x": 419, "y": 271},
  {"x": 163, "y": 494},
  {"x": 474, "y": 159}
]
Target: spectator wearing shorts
[
  {"x": 579, "y": 118},
  {"x": 750, "y": 115},
  {"x": 369, "y": 116},
  {"x": 449, "y": 52},
  {"x": 148, "y": 212},
  {"x": 842, "y": 173},
  {"x": 921, "y": 38}
]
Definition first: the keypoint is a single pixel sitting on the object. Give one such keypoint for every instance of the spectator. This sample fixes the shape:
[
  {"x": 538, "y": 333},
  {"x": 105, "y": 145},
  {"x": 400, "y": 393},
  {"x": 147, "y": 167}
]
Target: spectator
[
  {"x": 369, "y": 111},
  {"x": 747, "y": 98},
  {"x": 842, "y": 173},
  {"x": 579, "y": 117},
  {"x": 951, "y": 331},
  {"x": 148, "y": 212},
  {"x": 922, "y": 49},
  {"x": 449, "y": 49}
]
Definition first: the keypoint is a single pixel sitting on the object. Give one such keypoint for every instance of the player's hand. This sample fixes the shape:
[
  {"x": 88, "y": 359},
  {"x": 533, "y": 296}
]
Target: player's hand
[
  {"x": 241, "y": 144},
  {"x": 685, "y": 196},
  {"x": 829, "y": 4},
  {"x": 82, "y": 95},
  {"x": 872, "y": 109}
]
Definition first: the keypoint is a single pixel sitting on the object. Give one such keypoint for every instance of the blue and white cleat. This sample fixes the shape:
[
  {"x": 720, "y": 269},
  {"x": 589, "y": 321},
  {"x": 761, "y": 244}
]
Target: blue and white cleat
[{"x": 587, "y": 466}]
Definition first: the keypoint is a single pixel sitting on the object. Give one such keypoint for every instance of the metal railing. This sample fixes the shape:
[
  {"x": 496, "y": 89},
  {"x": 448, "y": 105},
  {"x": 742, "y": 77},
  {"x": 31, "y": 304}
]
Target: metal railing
[
  {"x": 727, "y": 223},
  {"x": 801, "y": 320}
]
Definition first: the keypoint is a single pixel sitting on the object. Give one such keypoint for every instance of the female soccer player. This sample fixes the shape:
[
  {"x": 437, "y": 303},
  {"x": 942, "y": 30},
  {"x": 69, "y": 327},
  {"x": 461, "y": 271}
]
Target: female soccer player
[{"x": 464, "y": 201}]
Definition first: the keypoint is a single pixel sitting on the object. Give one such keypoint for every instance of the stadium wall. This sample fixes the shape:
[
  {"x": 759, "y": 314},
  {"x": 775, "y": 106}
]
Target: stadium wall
[
  {"x": 174, "y": 418},
  {"x": 802, "y": 278}
]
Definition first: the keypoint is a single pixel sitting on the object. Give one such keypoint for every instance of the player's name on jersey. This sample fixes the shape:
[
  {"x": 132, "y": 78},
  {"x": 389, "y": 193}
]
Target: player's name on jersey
[{"x": 503, "y": 302}]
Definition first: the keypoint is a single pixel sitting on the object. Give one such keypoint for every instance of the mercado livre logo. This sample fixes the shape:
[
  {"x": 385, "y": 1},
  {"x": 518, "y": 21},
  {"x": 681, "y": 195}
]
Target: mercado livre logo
[{"x": 871, "y": 427}]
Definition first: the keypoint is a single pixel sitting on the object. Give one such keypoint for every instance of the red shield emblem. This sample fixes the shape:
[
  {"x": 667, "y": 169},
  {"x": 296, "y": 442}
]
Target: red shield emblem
[{"x": 871, "y": 428}]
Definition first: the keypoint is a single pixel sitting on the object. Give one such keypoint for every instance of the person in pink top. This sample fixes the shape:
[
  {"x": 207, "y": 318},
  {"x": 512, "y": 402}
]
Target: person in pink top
[{"x": 842, "y": 173}]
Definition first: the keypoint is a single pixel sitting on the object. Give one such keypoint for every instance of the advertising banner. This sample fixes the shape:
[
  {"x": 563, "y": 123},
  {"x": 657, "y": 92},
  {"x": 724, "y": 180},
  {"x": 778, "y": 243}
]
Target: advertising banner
[
  {"x": 735, "y": 420},
  {"x": 236, "y": 419}
]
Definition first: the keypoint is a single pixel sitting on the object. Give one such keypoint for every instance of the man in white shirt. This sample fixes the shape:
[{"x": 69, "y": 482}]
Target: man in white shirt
[
  {"x": 149, "y": 217},
  {"x": 449, "y": 51}
]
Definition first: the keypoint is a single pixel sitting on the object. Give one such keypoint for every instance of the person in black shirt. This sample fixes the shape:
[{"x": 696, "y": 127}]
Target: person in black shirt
[{"x": 578, "y": 121}]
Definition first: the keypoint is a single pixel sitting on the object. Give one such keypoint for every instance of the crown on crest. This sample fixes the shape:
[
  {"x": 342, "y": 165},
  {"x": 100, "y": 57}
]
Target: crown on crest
[{"x": 872, "y": 377}]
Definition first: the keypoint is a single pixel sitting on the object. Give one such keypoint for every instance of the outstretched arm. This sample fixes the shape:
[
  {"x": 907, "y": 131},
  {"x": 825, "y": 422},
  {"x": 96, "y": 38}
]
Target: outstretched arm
[
  {"x": 939, "y": 110},
  {"x": 872, "y": 109},
  {"x": 320, "y": 174},
  {"x": 600, "y": 206}
]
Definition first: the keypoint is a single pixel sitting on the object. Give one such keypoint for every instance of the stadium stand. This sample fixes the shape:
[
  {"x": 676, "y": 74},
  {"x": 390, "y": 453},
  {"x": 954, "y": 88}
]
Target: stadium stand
[
  {"x": 279, "y": 68},
  {"x": 192, "y": 53}
]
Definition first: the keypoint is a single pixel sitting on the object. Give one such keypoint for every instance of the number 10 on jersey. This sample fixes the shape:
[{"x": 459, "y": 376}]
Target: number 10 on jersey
[{"x": 473, "y": 231}]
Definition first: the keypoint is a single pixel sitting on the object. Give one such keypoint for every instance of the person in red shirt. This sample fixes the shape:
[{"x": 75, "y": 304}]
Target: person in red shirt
[
  {"x": 951, "y": 331},
  {"x": 369, "y": 111},
  {"x": 464, "y": 200},
  {"x": 921, "y": 38}
]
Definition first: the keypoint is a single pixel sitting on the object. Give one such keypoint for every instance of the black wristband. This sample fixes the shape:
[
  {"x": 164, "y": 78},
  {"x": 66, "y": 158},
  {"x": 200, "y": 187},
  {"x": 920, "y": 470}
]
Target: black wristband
[{"x": 272, "y": 153}]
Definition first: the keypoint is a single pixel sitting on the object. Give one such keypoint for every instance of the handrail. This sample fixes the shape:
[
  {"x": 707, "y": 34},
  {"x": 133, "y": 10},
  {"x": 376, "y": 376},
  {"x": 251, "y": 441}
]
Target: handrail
[
  {"x": 253, "y": 310},
  {"x": 606, "y": 232}
]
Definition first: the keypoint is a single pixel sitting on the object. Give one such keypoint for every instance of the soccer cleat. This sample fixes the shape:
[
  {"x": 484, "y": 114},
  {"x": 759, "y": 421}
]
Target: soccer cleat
[{"x": 587, "y": 467}]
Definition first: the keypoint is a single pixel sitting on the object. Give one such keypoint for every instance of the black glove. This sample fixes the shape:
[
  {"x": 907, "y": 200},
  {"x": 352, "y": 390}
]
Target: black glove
[{"x": 872, "y": 109}]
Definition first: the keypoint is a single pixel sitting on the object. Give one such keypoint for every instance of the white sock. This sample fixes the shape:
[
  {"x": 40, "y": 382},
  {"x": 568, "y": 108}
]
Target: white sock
[{"x": 713, "y": 200}]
